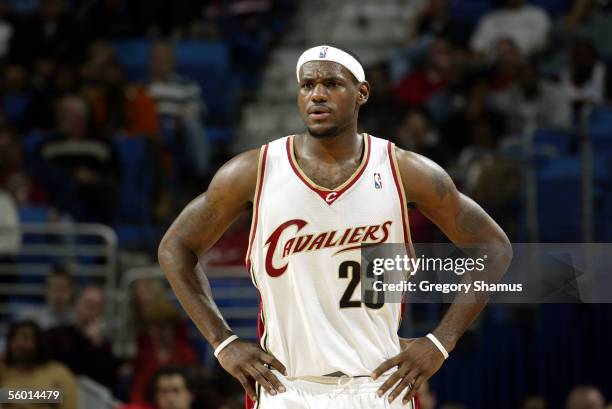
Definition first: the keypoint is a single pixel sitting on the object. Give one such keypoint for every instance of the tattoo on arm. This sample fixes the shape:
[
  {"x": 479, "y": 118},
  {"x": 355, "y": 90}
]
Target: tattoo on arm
[
  {"x": 442, "y": 183},
  {"x": 470, "y": 219}
]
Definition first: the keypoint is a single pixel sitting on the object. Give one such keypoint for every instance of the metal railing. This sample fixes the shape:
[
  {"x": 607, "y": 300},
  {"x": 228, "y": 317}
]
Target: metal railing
[
  {"x": 90, "y": 248},
  {"x": 243, "y": 319},
  {"x": 585, "y": 152}
]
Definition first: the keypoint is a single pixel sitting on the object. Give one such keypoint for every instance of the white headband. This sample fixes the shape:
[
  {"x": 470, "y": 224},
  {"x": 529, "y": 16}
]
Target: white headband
[{"x": 328, "y": 53}]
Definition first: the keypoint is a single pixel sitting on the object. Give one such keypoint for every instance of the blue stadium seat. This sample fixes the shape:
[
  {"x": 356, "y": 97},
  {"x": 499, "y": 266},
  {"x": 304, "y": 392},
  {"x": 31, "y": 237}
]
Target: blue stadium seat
[
  {"x": 559, "y": 141},
  {"x": 600, "y": 128},
  {"x": 134, "y": 225},
  {"x": 31, "y": 142},
  {"x": 559, "y": 201},
  {"x": 134, "y": 56},
  {"x": 137, "y": 179},
  {"x": 14, "y": 106},
  {"x": 33, "y": 214}
]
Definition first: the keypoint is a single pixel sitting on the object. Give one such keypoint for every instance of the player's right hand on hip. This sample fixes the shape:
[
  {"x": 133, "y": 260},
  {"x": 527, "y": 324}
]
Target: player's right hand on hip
[{"x": 246, "y": 361}]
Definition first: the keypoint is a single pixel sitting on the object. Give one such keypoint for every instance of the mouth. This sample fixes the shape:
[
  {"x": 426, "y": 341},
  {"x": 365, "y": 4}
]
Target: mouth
[{"x": 319, "y": 112}]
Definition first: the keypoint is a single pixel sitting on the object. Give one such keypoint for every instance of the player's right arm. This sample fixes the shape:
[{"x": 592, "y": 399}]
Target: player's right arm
[{"x": 196, "y": 230}]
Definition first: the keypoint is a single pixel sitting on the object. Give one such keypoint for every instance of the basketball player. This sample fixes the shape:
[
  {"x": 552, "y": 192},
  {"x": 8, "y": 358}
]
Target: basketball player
[{"x": 316, "y": 197}]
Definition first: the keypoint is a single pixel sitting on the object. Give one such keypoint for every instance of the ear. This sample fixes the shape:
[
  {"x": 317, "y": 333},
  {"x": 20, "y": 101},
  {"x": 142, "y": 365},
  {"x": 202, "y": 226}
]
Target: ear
[{"x": 363, "y": 90}]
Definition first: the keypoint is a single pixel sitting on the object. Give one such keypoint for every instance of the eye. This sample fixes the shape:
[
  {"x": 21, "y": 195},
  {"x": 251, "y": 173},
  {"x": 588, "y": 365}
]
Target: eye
[{"x": 307, "y": 85}]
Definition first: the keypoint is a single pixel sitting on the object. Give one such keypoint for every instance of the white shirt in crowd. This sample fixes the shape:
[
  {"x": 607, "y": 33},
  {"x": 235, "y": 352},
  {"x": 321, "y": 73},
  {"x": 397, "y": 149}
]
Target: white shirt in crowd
[{"x": 527, "y": 26}]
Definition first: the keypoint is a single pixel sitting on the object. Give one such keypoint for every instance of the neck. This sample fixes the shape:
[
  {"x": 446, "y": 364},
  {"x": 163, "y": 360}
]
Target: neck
[{"x": 345, "y": 145}]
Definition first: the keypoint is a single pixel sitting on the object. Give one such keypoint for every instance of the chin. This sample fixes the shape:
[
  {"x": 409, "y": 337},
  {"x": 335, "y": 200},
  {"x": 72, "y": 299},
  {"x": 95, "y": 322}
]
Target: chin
[{"x": 323, "y": 131}]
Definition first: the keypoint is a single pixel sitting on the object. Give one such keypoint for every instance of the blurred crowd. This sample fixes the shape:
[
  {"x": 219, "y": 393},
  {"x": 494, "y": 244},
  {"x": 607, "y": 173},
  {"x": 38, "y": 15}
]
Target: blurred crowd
[
  {"x": 66, "y": 101},
  {"x": 464, "y": 93},
  {"x": 67, "y": 338}
]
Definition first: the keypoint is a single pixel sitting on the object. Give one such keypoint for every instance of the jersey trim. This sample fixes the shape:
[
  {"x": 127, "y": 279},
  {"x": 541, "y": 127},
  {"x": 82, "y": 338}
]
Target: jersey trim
[
  {"x": 261, "y": 168},
  {"x": 397, "y": 178},
  {"x": 329, "y": 196}
]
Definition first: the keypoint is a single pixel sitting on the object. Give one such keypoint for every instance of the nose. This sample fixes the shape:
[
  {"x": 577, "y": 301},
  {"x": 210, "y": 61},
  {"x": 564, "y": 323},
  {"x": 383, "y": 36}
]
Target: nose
[{"x": 319, "y": 93}]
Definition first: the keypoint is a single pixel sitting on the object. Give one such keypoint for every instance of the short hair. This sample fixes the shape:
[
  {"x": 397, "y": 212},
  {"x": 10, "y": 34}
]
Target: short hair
[
  {"x": 61, "y": 271},
  {"x": 169, "y": 371},
  {"x": 40, "y": 345}
]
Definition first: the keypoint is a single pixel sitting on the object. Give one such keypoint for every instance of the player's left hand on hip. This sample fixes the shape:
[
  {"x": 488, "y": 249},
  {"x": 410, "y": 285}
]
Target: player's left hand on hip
[{"x": 417, "y": 362}]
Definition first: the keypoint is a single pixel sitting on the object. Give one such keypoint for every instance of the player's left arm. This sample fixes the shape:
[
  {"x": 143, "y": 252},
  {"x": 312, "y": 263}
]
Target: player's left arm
[{"x": 429, "y": 188}]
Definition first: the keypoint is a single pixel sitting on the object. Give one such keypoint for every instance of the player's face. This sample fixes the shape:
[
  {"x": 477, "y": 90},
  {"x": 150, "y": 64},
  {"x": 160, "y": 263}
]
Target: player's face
[{"x": 328, "y": 98}]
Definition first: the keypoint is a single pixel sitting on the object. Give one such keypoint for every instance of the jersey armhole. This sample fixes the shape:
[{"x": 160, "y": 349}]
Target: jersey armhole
[{"x": 261, "y": 167}]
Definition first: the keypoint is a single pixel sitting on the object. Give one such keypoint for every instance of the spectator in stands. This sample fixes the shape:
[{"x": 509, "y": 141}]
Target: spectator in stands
[
  {"x": 181, "y": 108},
  {"x": 435, "y": 19},
  {"x": 172, "y": 388},
  {"x": 49, "y": 83},
  {"x": 79, "y": 170},
  {"x": 14, "y": 178},
  {"x": 585, "y": 397},
  {"x": 506, "y": 64},
  {"x": 118, "y": 106},
  {"x": 16, "y": 96},
  {"x": 83, "y": 346},
  {"x": 527, "y": 25},
  {"x": 383, "y": 115},
  {"x": 527, "y": 100},
  {"x": 586, "y": 79},
  {"x": 29, "y": 367},
  {"x": 162, "y": 336},
  {"x": 6, "y": 29},
  {"x": 475, "y": 124},
  {"x": 420, "y": 85},
  {"x": 586, "y": 20},
  {"x": 9, "y": 219},
  {"x": 417, "y": 133},
  {"x": 59, "y": 293}
]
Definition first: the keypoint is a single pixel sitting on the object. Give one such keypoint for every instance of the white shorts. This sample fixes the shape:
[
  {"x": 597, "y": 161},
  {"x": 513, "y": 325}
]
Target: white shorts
[{"x": 345, "y": 393}]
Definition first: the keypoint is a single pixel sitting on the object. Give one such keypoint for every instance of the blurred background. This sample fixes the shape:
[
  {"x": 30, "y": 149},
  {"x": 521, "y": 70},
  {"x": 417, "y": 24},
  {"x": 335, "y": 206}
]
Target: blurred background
[{"x": 115, "y": 113}]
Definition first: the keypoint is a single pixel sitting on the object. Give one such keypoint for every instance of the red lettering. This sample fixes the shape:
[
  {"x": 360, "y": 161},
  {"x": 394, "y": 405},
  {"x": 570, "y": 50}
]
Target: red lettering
[
  {"x": 272, "y": 243},
  {"x": 328, "y": 242},
  {"x": 318, "y": 241},
  {"x": 344, "y": 236},
  {"x": 302, "y": 242},
  {"x": 287, "y": 249},
  {"x": 356, "y": 236},
  {"x": 370, "y": 233}
]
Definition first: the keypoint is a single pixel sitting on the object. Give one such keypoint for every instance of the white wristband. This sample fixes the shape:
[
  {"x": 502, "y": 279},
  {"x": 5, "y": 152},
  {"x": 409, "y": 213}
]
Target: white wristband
[
  {"x": 225, "y": 343},
  {"x": 438, "y": 344}
]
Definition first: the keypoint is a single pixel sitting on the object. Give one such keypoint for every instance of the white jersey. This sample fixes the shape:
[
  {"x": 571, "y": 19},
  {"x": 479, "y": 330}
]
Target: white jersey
[{"x": 304, "y": 257}]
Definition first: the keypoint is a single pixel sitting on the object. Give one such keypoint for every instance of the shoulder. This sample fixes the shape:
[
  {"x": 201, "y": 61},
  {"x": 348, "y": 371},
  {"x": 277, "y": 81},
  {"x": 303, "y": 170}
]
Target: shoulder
[
  {"x": 238, "y": 176},
  {"x": 243, "y": 163},
  {"x": 415, "y": 163},
  {"x": 422, "y": 178}
]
